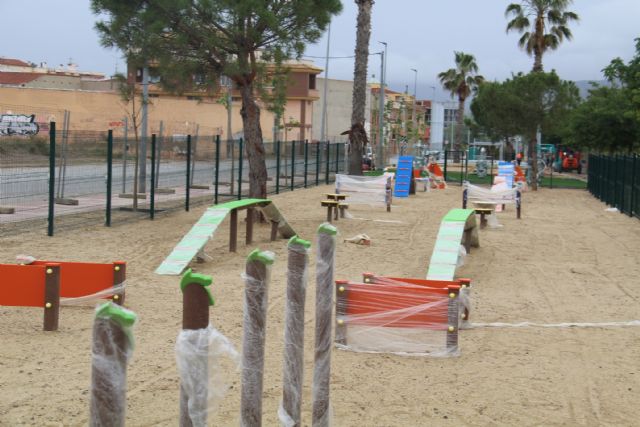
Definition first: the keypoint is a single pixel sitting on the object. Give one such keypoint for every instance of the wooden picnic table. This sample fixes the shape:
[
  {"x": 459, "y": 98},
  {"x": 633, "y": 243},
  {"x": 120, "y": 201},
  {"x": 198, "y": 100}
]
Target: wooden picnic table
[{"x": 335, "y": 196}]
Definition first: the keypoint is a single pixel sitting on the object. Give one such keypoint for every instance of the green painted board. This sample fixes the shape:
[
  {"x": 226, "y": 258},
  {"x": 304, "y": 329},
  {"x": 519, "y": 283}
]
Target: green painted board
[{"x": 203, "y": 231}]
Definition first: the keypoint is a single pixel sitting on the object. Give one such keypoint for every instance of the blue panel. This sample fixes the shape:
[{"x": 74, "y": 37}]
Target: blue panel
[{"x": 404, "y": 172}]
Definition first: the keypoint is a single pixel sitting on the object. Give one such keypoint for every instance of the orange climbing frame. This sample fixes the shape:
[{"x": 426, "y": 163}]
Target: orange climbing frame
[{"x": 43, "y": 283}]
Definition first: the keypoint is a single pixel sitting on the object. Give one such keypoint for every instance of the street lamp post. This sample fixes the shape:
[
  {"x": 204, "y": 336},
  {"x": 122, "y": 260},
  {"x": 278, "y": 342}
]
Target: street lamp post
[
  {"x": 415, "y": 100},
  {"x": 383, "y": 71}
]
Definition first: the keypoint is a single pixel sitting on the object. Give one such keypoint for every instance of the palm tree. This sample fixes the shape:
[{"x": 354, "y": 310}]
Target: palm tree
[
  {"x": 543, "y": 24},
  {"x": 357, "y": 133},
  {"x": 461, "y": 81}
]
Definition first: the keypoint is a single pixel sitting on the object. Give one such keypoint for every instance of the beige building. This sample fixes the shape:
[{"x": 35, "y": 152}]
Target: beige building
[{"x": 95, "y": 106}]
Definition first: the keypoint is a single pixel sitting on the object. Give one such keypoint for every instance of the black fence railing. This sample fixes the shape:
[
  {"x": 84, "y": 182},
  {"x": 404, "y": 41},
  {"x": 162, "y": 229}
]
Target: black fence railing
[
  {"x": 82, "y": 179},
  {"x": 616, "y": 181}
]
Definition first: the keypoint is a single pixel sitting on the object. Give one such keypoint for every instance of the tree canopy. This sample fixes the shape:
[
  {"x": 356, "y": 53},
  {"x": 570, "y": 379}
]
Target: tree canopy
[
  {"x": 522, "y": 104},
  {"x": 461, "y": 81},
  {"x": 544, "y": 24},
  {"x": 208, "y": 38}
]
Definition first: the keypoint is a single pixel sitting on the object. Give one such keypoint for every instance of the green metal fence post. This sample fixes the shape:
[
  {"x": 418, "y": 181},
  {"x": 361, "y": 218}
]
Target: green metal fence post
[
  {"x": 444, "y": 172},
  {"x": 293, "y": 162},
  {"x": 278, "y": 167},
  {"x": 240, "y": 161},
  {"x": 326, "y": 169},
  {"x": 186, "y": 200},
  {"x": 152, "y": 191},
  {"x": 461, "y": 173},
  {"x": 306, "y": 161},
  {"x": 634, "y": 176},
  {"x": 337, "y": 157},
  {"x": 52, "y": 176},
  {"x": 107, "y": 214},
  {"x": 317, "y": 145},
  {"x": 491, "y": 172},
  {"x": 217, "y": 173}
]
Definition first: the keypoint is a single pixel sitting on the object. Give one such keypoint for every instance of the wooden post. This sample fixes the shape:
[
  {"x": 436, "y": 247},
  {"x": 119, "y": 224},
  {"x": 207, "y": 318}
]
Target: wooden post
[
  {"x": 325, "y": 265},
  {"x": 452, "y": 319},
  {"x": 255, "y": 318},
  {"x": 249, "y": 232},
  {"x": 329, "y": 216},
  {"x": 112, "y": 348},
  {"x": 388, "y": 194},
  {"x": 119, "y": 278},
  {"x": 274, "y": 230},
  {"x": 518, "y": 204},
  {"x": 342, "y": 302},
  {"x": 233, "y": 231},
  {"x": 294, "y": 331},
  {"x": 51, "y": 296},
  {"x": 196, "y": 300},
  {"x": 465, "y": 195}
]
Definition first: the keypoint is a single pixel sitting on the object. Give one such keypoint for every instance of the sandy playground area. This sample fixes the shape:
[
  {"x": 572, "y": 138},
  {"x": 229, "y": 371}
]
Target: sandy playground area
[{"x": 566, "y": 260}]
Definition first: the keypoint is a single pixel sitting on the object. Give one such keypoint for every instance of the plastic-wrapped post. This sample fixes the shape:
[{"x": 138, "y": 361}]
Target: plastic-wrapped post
[
  {"x": 293, "y": 370},
  {"x": 325, "y": 265},
  {"x": 255, "y": 317},
  {"x": 196, "y": 300},
  {"x": 112, "y": 349}
]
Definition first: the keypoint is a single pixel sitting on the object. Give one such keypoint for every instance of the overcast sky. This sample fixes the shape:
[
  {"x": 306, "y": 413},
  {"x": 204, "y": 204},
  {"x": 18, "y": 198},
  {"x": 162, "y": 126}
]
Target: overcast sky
[{"x": 421, "y": 34}]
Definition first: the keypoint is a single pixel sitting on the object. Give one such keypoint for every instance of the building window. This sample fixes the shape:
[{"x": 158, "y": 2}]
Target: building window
[
  {"x": 312, "y": 81},
  {"x": 450, "y": 115},
  {"x": 427, "y": 116}
]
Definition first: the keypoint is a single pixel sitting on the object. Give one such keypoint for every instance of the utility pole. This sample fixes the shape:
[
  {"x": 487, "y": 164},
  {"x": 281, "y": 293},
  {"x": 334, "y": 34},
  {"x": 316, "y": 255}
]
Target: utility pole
[
  {"x": 383, "y": 76},
  {"x": 142, "y": 176},
  {"x": 323, "y": 120},
  {"x": 415, "y": 99}
]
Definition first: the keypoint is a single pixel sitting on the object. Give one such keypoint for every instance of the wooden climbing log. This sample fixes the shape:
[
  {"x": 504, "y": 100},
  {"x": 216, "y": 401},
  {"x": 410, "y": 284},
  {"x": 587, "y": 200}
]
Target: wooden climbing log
[
  {"x": 325, "y": 267},
  {"x": 293, "y": 370},
  {"x": 255, "y": 318},
  {"x": 112, "y": 349},
  {"x": 196, "y": 300},
  {"x": 249, "y": 231},
  {"x": 233, "y": 231}
]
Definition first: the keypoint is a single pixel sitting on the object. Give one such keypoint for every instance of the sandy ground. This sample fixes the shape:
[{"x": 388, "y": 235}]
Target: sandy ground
[{"x": 567, "y": 260}]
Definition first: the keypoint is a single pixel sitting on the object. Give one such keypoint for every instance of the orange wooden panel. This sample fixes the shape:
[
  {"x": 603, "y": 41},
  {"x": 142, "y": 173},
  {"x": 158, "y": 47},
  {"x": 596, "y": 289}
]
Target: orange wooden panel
[
  {"x": 397, "y": 306},
  {"x": 438, "y": 286},
  {"x": 22, "y": 285},
  {"x": 78, "y": 279}
]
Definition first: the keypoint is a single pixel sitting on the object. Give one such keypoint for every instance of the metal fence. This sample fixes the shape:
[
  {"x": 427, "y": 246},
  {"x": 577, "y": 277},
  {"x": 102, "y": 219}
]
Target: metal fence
[
  {"x": 616, "y": 181},
  {"x": 75, "y": 179}
]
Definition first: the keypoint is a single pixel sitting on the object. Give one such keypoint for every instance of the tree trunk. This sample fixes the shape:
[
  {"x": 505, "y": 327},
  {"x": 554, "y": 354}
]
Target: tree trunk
[
  {"x": 538, "y": 47},
  {"x": 533, "y": 162},
  {"x": 254, "y": 147},
  {"x": 457, "y": 144},
  {"x": 357, "y": 135}
]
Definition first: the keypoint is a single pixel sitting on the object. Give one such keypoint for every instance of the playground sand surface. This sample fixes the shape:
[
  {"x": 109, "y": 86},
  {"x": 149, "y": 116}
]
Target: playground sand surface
[{"x": 567, "y": 260}]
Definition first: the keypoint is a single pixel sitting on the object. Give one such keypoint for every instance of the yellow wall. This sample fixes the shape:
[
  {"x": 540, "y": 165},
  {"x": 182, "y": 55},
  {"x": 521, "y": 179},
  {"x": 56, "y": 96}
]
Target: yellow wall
[{"x": 97, "y": 111}]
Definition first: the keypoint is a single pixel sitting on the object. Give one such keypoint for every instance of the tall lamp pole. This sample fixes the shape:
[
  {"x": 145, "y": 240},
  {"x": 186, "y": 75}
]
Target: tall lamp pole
[
  {"x": 383, "y": 71},
  {"x": 323, "y": 120},
  {"x": 415, "y": 100}
]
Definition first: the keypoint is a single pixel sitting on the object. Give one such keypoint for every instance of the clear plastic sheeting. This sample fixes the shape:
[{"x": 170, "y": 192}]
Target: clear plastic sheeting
[
  {"x": 400, "y": 319},
  {"x": 558, "y": 325},
  {"x": 463, "y": 298},
  {"x": 103, "y": 294},
  {"x": 365, "y": 190},
  {"x": 111, "y": 353},
  {"x": 479, "y": 194},
  {"x": 462, "y": 253},
  {"x": 325, "y": 269},
  {"x": 289, "y": 411},
  {"x": 201, "y": 355},
  {"x": 256, "y": 278}
]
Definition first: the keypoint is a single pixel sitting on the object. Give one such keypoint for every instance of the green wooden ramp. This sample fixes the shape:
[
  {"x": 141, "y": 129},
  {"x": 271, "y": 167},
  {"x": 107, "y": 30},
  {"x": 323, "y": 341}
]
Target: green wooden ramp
[
  {"x": 444, "y": 258},
  {"x": 205, "y": 228}
]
